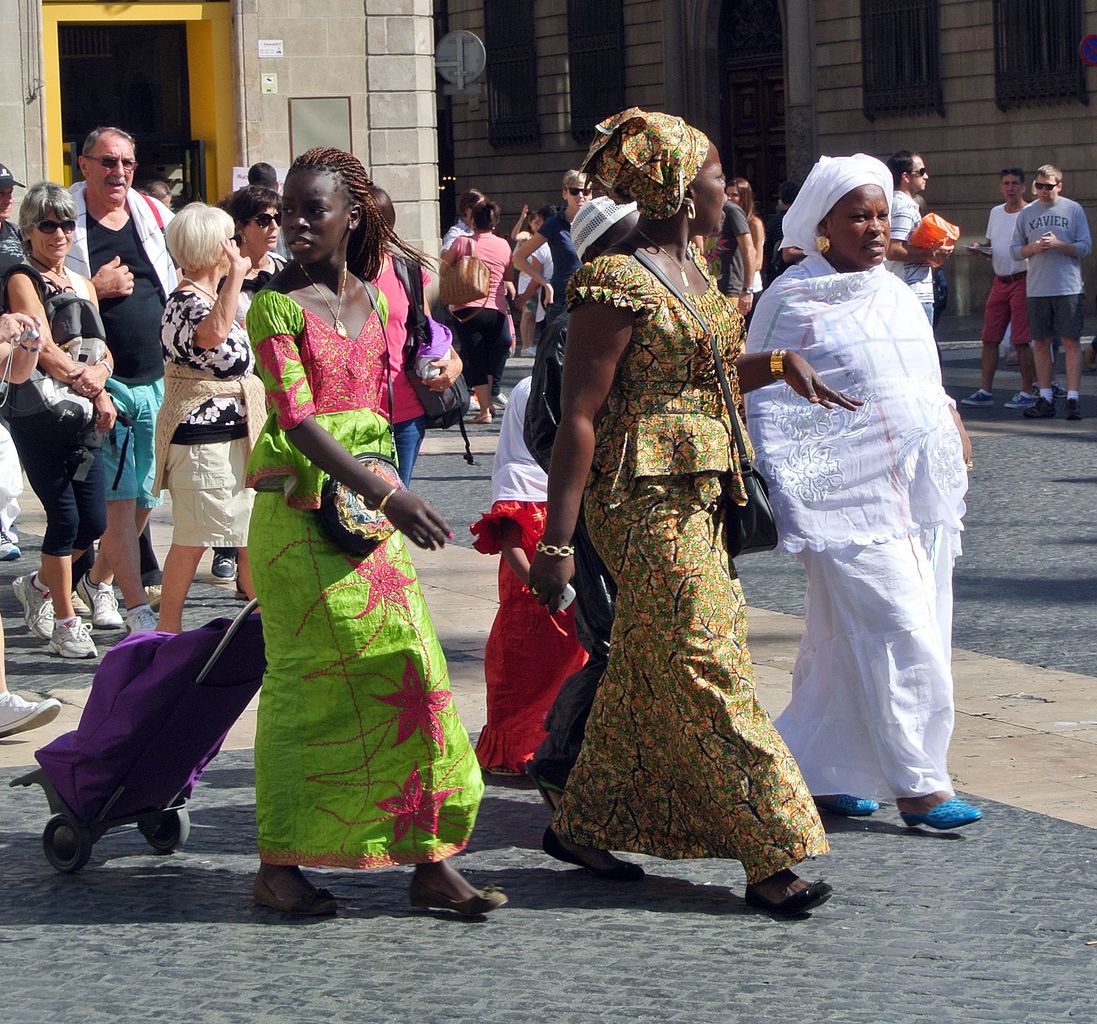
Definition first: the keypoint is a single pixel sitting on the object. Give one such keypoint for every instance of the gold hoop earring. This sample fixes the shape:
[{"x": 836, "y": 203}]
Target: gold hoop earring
[
  {"x": 691, "y": 210},
  {"x": 822, "y": 243}
]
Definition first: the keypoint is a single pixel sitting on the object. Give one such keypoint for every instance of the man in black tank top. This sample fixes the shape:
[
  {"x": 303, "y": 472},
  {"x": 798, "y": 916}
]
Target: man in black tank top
[{"x": 119, "y": 244}]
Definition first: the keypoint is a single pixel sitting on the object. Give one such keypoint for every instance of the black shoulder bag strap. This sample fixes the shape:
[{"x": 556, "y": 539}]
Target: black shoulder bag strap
[
  {"x": 412, "y": 284},
  {"x": 649, "y": 264}
]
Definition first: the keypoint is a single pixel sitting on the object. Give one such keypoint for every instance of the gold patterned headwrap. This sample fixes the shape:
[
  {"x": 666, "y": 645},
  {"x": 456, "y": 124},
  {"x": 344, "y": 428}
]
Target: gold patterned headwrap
[{"x": 648, "y": 157}]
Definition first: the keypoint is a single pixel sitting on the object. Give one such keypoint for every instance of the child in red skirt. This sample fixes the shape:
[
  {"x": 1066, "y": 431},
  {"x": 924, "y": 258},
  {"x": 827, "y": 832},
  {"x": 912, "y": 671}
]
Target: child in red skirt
[{"x": 529, "y": 652}]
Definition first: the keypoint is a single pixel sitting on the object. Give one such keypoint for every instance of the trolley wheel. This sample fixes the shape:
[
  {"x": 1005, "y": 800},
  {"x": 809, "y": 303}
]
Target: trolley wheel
[
  {"x": 167, "y": 832},
  {"x": 66, "y": 844}
]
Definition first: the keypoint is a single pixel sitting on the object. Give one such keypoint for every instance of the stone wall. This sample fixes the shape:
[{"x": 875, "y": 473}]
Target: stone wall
[
  {"x": 513, "y": 175},
  {"x": 965, "y": 149},
  {"x": 21, "y": 89},
  {"x": 378, "y": 52}
]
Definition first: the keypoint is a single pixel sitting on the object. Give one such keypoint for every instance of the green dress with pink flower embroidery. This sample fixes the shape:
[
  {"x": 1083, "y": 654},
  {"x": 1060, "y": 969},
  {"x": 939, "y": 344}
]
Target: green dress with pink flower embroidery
[{"x": 361, "y": 759}]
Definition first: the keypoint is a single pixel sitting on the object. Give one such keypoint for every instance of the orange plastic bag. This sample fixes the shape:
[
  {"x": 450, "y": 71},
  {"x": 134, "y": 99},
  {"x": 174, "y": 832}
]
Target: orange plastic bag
[{"x": 933, "y": 233}]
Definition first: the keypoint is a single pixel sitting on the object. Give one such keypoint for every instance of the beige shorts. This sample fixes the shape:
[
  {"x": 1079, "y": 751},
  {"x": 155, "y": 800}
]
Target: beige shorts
[{"x": 211, "y": 507}]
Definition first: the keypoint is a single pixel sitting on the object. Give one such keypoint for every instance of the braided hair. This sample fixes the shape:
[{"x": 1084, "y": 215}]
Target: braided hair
[{"x": 367, "y": 243}]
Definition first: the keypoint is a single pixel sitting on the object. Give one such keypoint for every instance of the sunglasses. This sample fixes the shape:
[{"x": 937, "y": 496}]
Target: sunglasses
[
  {"x": 920, "y": 173},
  {"x": 572, "y": 191},
  {"x": 109, "y": 162},
  {"x": 265, "y": 220},
  {"x": 48, "y": 227},
  {"x": 1045, "y": 186}
]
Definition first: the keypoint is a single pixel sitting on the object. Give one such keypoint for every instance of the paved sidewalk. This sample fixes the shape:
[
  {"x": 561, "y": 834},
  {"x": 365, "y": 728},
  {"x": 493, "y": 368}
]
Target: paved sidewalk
[{"x": 991, "y": 923}]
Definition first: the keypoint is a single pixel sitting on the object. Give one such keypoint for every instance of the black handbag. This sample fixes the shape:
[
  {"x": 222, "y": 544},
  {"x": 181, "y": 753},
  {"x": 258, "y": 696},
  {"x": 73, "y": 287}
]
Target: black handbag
[
  {"x": 344, "y": 516},
  {"x": 442, "y": 408},
  {"x": 750, "y": 527}
]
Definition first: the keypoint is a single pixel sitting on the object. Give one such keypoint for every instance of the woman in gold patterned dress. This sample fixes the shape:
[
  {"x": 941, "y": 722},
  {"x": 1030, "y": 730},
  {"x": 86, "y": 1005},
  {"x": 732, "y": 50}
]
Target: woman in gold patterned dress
[{"x": 679, "y": 759}]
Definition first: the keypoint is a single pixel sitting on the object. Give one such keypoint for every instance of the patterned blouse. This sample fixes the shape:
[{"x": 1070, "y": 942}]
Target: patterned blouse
[
  {"x": 216, "y": 418},
  {"x": 665, "y": 412}
]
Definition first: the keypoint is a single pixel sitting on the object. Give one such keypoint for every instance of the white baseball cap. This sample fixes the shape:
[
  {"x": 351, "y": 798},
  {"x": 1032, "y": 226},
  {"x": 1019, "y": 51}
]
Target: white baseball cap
[{"x": 594, "y": 219}]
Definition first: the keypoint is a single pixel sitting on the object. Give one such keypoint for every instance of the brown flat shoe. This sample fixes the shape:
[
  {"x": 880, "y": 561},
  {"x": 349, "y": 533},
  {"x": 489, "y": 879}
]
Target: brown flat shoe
[
  {"x": 484, "y": 900},
  {"x": 315, "y": 903}
]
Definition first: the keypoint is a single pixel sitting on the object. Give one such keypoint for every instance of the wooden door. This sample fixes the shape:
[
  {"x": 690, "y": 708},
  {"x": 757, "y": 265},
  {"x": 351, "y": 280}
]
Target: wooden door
[{"x": 755, "y": 148}]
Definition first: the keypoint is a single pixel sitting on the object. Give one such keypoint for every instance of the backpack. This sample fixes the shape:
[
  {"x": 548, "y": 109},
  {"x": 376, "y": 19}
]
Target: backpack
[
  {"x": 442, "y": 408},
  {"x": 44, "y": 405}
]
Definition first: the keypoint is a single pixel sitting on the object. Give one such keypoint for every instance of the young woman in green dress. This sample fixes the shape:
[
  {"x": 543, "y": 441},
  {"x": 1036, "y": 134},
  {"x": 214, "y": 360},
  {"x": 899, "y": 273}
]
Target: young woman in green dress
[{"x": 361, "y": 760}]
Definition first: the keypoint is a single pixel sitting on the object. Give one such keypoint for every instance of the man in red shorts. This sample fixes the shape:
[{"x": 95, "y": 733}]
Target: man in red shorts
[{"x": 1006, "y": 302}]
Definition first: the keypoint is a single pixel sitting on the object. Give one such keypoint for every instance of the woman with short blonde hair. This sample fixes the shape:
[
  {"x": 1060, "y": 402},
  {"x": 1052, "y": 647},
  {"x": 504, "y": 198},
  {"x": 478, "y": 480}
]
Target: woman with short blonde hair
[{"x": 213, "y": 408}]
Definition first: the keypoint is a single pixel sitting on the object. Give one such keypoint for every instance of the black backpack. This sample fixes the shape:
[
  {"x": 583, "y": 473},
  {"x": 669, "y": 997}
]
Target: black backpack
[
  {"x": 42, "y": 404},
  {"x": 443, "y": 408}
]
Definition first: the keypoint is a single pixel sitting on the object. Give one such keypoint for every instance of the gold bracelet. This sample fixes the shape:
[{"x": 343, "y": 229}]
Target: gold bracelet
[
  {"x": 777, "y": 363},
  {"x": 556, "y": 550},
  {"x": 384, "y": 501}
]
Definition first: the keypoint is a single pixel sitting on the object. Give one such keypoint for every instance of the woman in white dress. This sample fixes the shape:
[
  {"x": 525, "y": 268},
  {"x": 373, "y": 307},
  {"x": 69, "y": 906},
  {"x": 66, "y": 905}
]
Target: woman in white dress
[{"x": 870, "y": 501}]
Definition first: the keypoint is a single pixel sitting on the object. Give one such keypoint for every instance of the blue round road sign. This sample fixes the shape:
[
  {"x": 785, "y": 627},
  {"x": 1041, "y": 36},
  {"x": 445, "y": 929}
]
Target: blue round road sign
[{"x": 1087, "y": 50}]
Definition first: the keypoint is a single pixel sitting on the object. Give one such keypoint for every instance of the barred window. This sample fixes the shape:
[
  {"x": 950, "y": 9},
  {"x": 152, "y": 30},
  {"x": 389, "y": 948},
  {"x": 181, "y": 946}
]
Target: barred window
[
  {"x": 596, "y": 63},
  {"x": 1035, "y": 52},
  {"x": 900, "y": 57},
  {"x": 512, "y": 72}
]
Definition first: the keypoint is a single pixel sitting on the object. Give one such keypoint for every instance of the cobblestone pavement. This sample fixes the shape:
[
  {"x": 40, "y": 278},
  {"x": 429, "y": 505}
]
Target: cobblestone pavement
[
  {"x": 990, "y": 923},
  {"x": 986, "y": 924}
]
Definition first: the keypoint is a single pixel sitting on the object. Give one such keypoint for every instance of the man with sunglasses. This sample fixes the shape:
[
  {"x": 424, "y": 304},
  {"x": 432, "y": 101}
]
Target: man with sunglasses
[
  {"x": 915, "y": 266},
  {"x": 1006, "y": 304},
  {"x": 119, "y": 244},
  {"x": 576, "y": 192},
  {"x": 1053, "y": 235}
]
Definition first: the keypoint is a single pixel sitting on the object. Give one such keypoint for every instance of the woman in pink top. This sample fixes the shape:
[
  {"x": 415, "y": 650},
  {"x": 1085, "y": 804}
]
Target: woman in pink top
[
  {"x": 483, "y": 328},
  {"x": 409, "y": 424}
]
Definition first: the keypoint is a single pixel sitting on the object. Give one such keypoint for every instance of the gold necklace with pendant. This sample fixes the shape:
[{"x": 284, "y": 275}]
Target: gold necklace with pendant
[
  {"x": 340, "y": 327},
  {"x": 677, "y": 262}
]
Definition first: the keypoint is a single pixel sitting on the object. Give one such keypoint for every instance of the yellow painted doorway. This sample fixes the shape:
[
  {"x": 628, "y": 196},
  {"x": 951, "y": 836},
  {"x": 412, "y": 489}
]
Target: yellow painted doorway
[{"x": 167, "y": 68}]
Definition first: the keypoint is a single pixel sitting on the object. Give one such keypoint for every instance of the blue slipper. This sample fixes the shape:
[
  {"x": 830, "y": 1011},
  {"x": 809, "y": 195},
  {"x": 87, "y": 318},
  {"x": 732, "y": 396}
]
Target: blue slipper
[
  {"x": 950, "y": 814},
  {"x": 850, "y": 806}
]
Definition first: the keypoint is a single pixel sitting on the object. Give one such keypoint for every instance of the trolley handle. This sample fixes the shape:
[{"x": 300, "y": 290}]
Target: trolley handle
[{"x": 227, "y": 639}]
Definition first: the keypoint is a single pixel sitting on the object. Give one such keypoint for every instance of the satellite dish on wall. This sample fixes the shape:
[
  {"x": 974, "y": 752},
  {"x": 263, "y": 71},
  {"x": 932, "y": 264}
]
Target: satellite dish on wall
[{"x": 460, "y": 58}]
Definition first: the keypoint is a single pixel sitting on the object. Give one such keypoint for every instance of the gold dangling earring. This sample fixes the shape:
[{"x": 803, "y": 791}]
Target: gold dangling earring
[
  {"x": 691, "y": 210},
  {"x": 822, "y": 243}
]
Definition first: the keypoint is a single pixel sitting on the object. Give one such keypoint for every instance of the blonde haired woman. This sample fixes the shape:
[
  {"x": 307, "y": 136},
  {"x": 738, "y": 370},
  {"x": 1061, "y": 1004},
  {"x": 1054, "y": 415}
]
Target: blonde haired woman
[{"x": 213, "y": 408}]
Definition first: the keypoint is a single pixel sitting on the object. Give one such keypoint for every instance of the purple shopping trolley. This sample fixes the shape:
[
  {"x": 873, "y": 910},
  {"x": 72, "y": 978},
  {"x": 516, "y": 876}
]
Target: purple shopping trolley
[{"x": 159, "y": 709}]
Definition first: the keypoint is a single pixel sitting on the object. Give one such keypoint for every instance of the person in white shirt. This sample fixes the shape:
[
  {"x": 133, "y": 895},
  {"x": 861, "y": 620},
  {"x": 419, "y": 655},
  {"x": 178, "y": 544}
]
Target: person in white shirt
[
  {"x": 913, "y": 265},
  {"x": 1006, "y": 303}
]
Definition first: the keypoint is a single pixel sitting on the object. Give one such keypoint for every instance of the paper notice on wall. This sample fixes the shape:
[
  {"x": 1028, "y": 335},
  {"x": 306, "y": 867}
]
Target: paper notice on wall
[{"x": 271, "y": 48}]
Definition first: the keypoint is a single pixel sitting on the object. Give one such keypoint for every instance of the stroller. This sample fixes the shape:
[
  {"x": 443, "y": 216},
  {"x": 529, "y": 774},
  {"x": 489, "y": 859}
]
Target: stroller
[{"x": 160, "y": 707}]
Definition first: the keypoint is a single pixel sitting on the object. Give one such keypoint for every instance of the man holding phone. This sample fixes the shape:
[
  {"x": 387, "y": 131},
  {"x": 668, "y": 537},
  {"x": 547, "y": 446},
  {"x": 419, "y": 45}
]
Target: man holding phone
[{"x": 1053, "y": 235}]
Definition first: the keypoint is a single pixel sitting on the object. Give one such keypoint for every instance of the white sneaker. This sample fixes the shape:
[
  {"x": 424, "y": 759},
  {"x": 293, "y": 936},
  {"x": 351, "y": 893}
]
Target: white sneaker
[
  {"x": 499, "y": 404},
  {"x": 37, "y": 608},
  {"x": 72, "y": 641},
  {"x": 101, "y": 602},
  {"x": 18, "y": 715},
  {"x": 141, "y": 619}
]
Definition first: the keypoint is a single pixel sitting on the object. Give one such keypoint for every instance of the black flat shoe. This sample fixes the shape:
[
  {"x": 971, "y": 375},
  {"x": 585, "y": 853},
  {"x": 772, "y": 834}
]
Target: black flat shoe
[
  {"x": 312, "y": 903},
  {"x": 813, "y": 896},
  {"x": 623, "y": 872}
]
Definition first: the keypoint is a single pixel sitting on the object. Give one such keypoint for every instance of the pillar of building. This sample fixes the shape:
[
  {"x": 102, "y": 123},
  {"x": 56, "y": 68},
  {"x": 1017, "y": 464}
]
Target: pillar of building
[
  {"x": 402, "y": 114},
  {"x": 800, "y": 137},
  {"x": 22, "y": 91}
]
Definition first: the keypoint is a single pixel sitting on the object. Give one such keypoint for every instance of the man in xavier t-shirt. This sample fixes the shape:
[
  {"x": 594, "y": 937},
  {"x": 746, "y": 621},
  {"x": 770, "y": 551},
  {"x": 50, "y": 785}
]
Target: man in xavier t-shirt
[{"x": 119, "y": 244}]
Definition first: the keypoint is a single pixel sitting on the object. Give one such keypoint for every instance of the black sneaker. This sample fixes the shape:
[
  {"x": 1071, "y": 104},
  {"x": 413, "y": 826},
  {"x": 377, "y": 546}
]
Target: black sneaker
[
  {"x": 224, "y": 567},
  {"x": 1073, "y": 412},
  {"x": 1042, "y": 410}
]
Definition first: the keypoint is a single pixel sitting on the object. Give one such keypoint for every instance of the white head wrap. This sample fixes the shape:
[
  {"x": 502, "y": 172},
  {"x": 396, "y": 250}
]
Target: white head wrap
[{"x": 829, "y": 180}]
